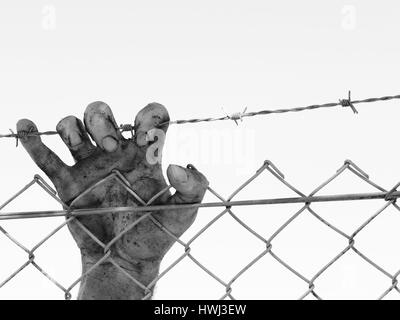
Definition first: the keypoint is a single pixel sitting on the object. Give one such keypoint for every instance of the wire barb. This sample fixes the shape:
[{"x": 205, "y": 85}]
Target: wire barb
[
  {"x": 237, "y": 116},
  {"x": 348, "y": 103},
  {"x": 15, "y": 136},
  {"x": 21, "y": 135},
  {"x": 127, "y": 127}
]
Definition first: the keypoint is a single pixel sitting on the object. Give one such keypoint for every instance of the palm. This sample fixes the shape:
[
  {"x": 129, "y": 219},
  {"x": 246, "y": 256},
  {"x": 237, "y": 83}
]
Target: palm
[{"x": 140, "y": 249}]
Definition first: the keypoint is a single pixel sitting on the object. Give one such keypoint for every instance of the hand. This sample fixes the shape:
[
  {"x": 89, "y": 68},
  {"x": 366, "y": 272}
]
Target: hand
[{"x": 139, "y": 251}]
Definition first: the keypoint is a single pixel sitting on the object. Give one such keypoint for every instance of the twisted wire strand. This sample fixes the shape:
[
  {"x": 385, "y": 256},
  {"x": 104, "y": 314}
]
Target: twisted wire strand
[
  {"x": 234, "y": 117},
  {"x": 342, "y": 102}
]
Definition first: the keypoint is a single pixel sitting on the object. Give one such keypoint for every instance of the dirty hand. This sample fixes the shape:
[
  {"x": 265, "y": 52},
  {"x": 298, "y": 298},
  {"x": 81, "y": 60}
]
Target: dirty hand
[{"x": 139, "y": 251}]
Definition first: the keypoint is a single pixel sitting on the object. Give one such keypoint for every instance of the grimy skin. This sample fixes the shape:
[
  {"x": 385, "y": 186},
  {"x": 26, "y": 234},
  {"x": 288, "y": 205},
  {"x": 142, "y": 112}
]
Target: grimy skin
[{"x": 140, "y": 251}]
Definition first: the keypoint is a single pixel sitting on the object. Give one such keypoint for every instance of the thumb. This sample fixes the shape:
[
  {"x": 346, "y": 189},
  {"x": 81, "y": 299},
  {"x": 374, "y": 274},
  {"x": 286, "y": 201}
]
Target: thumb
[{"x": 189, "y": 183}]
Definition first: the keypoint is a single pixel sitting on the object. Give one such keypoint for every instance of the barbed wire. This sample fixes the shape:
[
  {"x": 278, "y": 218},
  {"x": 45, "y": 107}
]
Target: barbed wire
[
  {"x": 234, "y": 117},
  {"x": 240, "y": 115},
  {"x": 388, "y": 196}
]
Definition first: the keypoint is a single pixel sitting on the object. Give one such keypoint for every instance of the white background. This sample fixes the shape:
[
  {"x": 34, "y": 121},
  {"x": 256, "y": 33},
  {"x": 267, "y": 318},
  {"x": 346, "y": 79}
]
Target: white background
[{"x": 196, "y": 57}]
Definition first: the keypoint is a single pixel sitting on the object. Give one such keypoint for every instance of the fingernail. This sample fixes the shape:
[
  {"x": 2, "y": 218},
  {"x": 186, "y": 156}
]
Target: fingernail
[
  {"x": 74, "y": 139},
  {"x": 110, "y": 144},
  {"x": 150, "y": 135},
  {"x": 178, "y": 173}
]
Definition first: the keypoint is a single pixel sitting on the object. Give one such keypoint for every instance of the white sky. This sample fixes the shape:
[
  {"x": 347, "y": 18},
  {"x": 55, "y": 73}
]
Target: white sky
[{"x": 195, "y": 58}]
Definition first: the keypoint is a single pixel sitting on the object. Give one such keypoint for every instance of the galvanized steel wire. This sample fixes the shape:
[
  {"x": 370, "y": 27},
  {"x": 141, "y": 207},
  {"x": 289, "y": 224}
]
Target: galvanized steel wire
[
  {"x": 348, "y": 102},
  {"x": 388, "y": 197}
]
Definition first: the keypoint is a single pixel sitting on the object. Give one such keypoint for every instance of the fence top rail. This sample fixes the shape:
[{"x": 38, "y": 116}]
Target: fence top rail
[{"x": 388, "y": 196}]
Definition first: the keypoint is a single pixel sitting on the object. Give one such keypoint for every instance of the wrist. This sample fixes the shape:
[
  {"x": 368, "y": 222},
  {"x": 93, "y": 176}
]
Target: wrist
[{"x": 109, "y": 282}]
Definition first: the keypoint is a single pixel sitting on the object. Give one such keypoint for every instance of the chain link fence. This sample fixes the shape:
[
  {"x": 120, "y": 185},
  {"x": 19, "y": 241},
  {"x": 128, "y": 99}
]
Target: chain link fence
[{"x": 388, "y": 197}]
